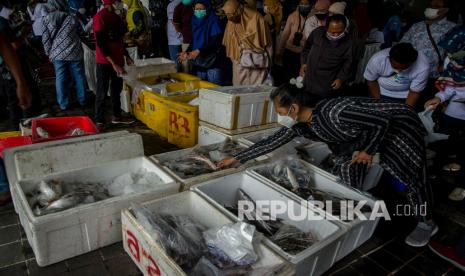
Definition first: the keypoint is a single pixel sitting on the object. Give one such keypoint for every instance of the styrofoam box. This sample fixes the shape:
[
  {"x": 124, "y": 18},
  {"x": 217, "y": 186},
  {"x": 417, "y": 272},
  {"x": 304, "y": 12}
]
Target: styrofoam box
[
  {"x": 146, "y": 252},
  {"x": 186, "y": 183},
  {"x": 237, "y": 107},
  {"x": 358, "y": 231},
  {"x": 319, "y": 151},
  {"x": 208, "y": 135},
  {"x": 312, "y": 261},
  {"x": 149, "y": 67}
]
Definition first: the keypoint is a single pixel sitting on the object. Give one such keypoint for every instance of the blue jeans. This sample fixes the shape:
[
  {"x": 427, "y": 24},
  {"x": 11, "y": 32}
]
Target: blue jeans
[
  {"x": 4, "y": 186},
  {"x": 214, "y": 75},
  {"x": 67, "y": 71},
  {"x": 174, "y": 51}
]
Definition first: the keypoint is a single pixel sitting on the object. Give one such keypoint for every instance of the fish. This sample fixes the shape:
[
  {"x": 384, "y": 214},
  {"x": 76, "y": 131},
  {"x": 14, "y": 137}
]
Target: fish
[
  {"x": 77, "y": 132},
  {"x": 292, "y": 179},
  {"x": 49, "y": 191},
  {"x": 65, "y": 202},
  {"x": 42, "y": 133},
  {"x": 206, "y": 161}
]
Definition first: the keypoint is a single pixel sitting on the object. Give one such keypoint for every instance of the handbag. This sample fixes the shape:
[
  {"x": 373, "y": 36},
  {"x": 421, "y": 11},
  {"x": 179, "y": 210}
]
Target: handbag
[
  {"x": 205, "y": 62},
  {"x": 299, "y": 34},
  {"x": 255, "y": 59}
]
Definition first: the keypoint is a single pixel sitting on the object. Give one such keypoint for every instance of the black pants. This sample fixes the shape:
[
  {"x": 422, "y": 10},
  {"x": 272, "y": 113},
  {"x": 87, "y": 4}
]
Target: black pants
[
  {"x": 291, "y": 64},
  {"x": 107, "y": 77}
]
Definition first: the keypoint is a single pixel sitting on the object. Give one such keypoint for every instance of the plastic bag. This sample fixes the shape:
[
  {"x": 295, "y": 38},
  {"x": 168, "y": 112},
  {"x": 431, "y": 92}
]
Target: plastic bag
[
  {"x": 426, "y": 118},
  {"x": 232, "y": 242},
  {"x": 293, "y": 240}
]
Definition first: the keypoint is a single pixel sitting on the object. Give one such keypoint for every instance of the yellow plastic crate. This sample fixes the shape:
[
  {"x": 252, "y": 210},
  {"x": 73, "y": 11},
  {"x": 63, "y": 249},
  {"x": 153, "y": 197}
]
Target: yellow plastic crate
[
  {"x": 173, "y": 118},
  {"x": 138, "y": 109},
  {"x": 9, "y": 134},
  {"x": 188, "y": 86}
]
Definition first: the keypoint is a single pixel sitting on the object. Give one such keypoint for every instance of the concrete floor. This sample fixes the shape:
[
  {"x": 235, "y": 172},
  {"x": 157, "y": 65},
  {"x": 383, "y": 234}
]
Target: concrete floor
[{"x": 384, "y": 254}]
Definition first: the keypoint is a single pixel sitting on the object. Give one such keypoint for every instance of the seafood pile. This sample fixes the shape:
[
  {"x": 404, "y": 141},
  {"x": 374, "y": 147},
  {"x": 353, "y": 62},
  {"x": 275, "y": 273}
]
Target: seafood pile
[
  {"x": 202, "y": 159},
  {"x": 293, "y": 175},
  {"x": 286, "y": 236},
  {"x": 224, "y": 250},
  {"x": 56, "y": 195},
  {"x": 73, "y": 132}
]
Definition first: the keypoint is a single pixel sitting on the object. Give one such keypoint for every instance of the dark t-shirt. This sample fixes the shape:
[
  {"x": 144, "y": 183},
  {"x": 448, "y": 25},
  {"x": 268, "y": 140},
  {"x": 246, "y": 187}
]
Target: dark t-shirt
[{"x": 183, "y": 16}]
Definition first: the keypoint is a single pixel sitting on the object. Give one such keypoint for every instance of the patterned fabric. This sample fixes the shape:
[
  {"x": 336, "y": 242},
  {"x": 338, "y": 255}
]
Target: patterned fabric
[
  {"x": 362, "y": 124},
  {"x": 62, "y": 42},
  {"x": 417, "y": 35},
  {"x": 454, "y": 70}
]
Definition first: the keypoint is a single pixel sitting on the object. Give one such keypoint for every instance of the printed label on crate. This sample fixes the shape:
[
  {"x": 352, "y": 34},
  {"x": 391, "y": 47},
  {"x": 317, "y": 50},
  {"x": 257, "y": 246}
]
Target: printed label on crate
[{"x": 179, "y": 122}]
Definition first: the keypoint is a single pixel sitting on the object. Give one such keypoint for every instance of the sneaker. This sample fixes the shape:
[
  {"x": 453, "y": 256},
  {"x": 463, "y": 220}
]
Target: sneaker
[
  {"x": 421, "y": 235},
  {"x": 100, "y": 126},
  {"x": 447, "y": 253},
  {"x": 121, "y": 120}
]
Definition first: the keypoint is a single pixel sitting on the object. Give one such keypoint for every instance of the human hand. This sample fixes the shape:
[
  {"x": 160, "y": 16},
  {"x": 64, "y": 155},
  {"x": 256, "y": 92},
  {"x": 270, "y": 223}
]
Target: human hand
[
  {"x": 194, "y": 54},
  {"x": 228, "y": 162},
  {"x": 433, "y": 103},
  {"x": 118, "y": 69},
  {"x": 129, "y": 61},
  {"x": 24, "y": 96},
  {"x": 182, "y": 57},
  {"x": 361, "y": 157},
  {"x": 303, "y": 69},
  {"x": 336, "y": 84}
]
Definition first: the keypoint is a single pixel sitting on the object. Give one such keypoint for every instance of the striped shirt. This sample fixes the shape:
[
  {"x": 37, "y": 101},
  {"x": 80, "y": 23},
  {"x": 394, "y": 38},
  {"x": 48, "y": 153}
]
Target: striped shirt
[{"x": 62, "y": 42}]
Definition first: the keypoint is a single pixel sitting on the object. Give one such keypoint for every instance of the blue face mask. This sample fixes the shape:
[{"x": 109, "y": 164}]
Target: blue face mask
[
  {"x": 200, "y": 13},
  {"x": 186, "y": 2}
]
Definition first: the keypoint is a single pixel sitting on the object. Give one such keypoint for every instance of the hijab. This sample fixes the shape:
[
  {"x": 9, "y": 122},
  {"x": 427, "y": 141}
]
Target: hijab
[
  {"x": 59, "y": 10},
  {"x": 454, "y": 72},
  {"x": 206, "y": 28}
]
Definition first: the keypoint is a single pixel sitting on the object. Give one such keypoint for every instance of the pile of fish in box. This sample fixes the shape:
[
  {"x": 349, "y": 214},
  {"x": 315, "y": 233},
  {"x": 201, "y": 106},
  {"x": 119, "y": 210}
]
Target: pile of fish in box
[
  {"x": 288, "y": 237},
  {"x": 57, "y": 195},
  {"x": 223, "y": 250},
  {"x": 203, "y": 159},
  {"x": 294, "y": 176}
]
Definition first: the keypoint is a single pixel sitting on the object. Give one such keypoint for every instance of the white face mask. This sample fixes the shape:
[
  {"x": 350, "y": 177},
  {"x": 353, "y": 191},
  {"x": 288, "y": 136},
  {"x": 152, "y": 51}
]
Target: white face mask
[
  {"x": 286, "y": 120},
  {"x": 335, "y": 38},
  {"x": 431, "y": 13}
]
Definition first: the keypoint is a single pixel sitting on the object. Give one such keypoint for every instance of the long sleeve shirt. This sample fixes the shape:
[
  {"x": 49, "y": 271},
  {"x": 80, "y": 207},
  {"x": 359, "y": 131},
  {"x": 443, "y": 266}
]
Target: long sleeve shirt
[
  {"x": 456, "y": 98},
  {"x": 62, "y": 42},
  {"x": 295, "y": 23}
]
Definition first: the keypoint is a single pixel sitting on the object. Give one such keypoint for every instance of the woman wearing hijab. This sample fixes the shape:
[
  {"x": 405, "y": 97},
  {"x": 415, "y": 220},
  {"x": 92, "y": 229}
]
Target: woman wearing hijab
[
  {"x": 62, "y": 45},
  {"x": 356, "y": 129},
  {"x": 205, "y": 51},
  {"x": 248, "y": 44},
  {"x": 273, "y": 16},
  {"x": 138, "y": 26}
]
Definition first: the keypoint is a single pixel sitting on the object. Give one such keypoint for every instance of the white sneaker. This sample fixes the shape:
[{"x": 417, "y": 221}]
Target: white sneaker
[{"x": 421, "y": 234}]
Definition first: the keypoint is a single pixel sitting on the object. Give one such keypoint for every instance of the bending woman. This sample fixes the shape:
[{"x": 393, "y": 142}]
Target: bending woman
[{"x": 362, "y": 125}]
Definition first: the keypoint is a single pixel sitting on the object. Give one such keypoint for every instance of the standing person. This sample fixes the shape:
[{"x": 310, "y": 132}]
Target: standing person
[
  {"x": 292, "y": 40},
  {"x": 318, "y": 19},
  {"x": 273, "y": 17},
  {"x": 327, "y": 58},
  {"x": 248, "y": 44},
  {"x": 399, "y": 74},
  {"x": 159, "y": 25},
  {"x": 205, "y": 51},
  {"x": 110, "y": 54},
  {"x": 356, "y": 129},
  {"x": 62, "y": 45},
  {"x": 174, "y": 37},
  {"x": 138, "y": 26},
  {"x": 182, "y": 19},
  {"x": 37, "y": 11},
  {"x": 425, "y": 35}
]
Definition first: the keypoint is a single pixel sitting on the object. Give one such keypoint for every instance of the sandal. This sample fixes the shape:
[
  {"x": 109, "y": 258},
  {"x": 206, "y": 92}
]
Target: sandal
[
  {"x": 452, "y": 167},
  {"x": 457, "y": 194}
]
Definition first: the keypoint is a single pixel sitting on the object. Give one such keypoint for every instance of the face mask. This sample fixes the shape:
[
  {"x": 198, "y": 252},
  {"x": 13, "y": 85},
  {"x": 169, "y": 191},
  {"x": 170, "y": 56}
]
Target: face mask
[
  {"x": 335, "y": 38},
  {"x": 200, "y": 13},
  {"x": 286, "y": 120},
  {"x": 431, "y": 13},
  {"x": 321, "y": 16},
  {"x": 186, "y": 2},
  {"x": 304, "y": 9},
  {"x": 265, "y": 9}
]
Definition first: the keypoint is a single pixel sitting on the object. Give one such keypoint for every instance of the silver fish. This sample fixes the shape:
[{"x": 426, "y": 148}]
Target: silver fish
[
  {"x": 49, "y": 191},
  {"x": 292, "y": 179},
  {"x": 42, "y": 133},
  {"x": 65, "y": 202}
]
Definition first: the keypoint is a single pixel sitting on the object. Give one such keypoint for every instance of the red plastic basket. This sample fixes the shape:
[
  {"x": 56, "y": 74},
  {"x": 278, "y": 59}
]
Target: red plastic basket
[
  {"x": 12, "y": 142},
  {"x": 61, "y": 128}
]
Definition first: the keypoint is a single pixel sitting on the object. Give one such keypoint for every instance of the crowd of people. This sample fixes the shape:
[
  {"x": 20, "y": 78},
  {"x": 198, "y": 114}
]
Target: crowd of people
[{"x": 310, "y": 49}]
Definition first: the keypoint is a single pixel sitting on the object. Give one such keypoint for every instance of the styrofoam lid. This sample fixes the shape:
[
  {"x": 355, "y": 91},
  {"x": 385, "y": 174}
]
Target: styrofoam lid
[
  {"x": 242, "y": 89},
  {"x": 39, "y": 160}
]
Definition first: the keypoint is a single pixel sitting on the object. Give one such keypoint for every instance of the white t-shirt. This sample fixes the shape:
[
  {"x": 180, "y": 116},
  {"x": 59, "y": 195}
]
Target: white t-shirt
[
  {"x": 5, "y": 13},
  {"x": 174, "y": 38},
  {"x": 37, "y": 16},
  {"x": 396, "y": 85}
]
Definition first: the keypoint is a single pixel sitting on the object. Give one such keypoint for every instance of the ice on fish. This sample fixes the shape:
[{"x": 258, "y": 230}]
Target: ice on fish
[{"x": 128, "y": 183}]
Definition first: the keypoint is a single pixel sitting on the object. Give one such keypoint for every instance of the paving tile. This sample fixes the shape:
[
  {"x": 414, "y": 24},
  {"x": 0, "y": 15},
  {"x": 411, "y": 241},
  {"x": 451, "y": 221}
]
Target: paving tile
[
  {"x": 429, "y": 267},
  {"x": 9, "y": 234},
  {"x": 10, "y": 254},
  {"x": 97, "y": 269},
  {"x": 14, "y": 270},
  {"x": 22, "y": 233},
  {"x": 409, "y": 271},
  {"x": 122, "y": 265},
  {"x": 366, "y": 266},
  {"x": 402, "y": 251},
  {"x": 348, "y": 271},
  {"x": 387, "y": 261},
  {"x": 8, "y": 207},
  {"x": 455, "y": 272},
  {"x": 348, "y": 259},
  {"x": 84, "y": 260},
  {"x": 8, "y": 218},
  {"x": 27, "y": 250},
  {"x": 370, "y": 245},
  {"x": 54, "y": 269},
  {"x": 112, "y": 251}
]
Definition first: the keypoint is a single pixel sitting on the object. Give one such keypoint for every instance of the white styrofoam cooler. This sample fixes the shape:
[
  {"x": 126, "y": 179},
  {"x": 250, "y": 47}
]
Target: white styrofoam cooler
[
  {"x": 211, "y": 135},
  {"x": 319, "y": 151},
  {"x": 314, "y": 260},
  {"x": 358, "y": 231},
  {"x": 148, "y": 255},
  {"x": 186, "y": 183},
  {"x": 227, "y": 108},
  {"x": 149, "y": 67},
  {"x": 62, "y": 235}
]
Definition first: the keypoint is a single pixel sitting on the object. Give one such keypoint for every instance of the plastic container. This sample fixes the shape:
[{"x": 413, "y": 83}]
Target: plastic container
[
  {"x": 186, "y": 183},
  {"x": 149, "y": 67},
  {"x": 12, "y": 142},
  {"x": 358, "y": 231},
  {"x": 8, "y": 134},
  {"x": 237, "y": 107},
  {"x": 172, "y": 118},
  {"x": 147, "y": 253},
  {"x": 211, "y": 134},
  {"x": 62, "y": 235},
  {"x": 314, "y": 260},
  {"x": 61, "y": 127}
]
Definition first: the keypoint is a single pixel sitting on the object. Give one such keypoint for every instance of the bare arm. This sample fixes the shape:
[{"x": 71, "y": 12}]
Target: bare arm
[
  {"x": 375, "y": 91},
  {"x": 412, "y": 98}
]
